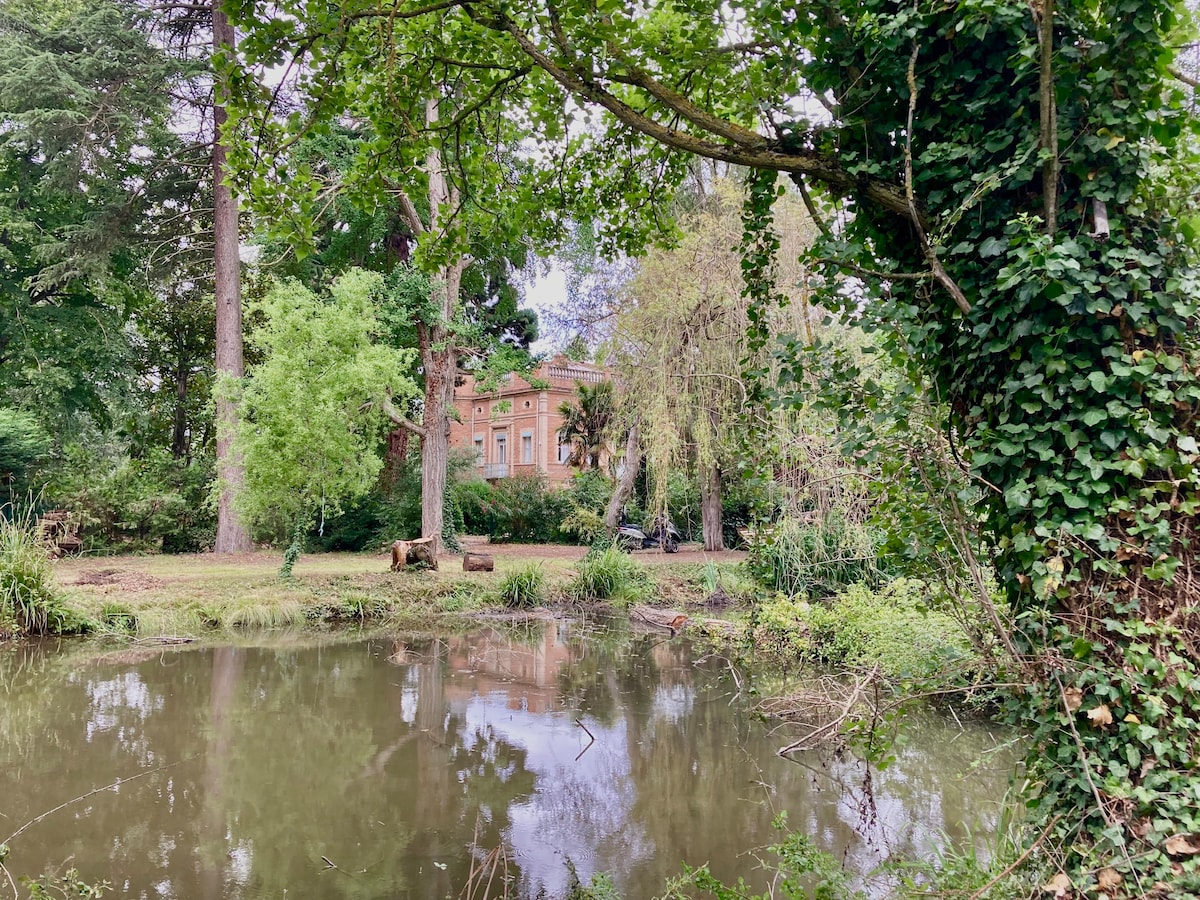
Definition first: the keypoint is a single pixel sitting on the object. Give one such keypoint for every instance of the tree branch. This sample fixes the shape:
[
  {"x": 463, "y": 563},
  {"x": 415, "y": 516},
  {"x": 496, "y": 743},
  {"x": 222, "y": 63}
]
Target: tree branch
[
  {"x": 1049, "y": 117},
  {"x": 408, "y": 212},
  {"x": 935, "y": 265},
  {"x": 759, "y": 153},
  {"x": 398, "y": 418},
  {"x": 813, "y": 212}
]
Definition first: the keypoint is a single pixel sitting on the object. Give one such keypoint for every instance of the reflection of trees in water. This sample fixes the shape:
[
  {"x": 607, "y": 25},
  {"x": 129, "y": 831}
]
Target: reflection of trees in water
[{"x": 383, "y": 758}]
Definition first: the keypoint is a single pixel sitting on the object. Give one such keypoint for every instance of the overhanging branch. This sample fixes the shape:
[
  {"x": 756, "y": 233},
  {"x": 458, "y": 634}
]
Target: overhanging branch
[
  {"x": 749, "y": 149},
  {"x": 398, "y": 418}
]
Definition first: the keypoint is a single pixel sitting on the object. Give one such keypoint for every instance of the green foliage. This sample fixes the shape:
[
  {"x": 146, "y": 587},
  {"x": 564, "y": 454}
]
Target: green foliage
[
  {"x": 293, "y": 550},
  {"x": 599, "y": 886},
  {"x": 64, "y": 887},
  {"x": 802, "y": 871},
  {"x": 525, "y": 509},
  {"x": 123, "y": 503},
  {"x": 587, "y": 501},
  {"x": 29, "y": 603},
  {"x": 95, "y": 170},
  {"x": 610, "y": 574},
  {"x": 118, "y": 617},
  {"x": 1134, "y": 728},
  {"x": 523, "y": 588},
  {"x": 817, "y": 557},
  {"x": 521, "y": 509},
  {"x": 896, "y": 628},
  {"x": 24, "y": 445},
  {"x": 306, "y": 439},
  {"x": 587, "y": 525}
]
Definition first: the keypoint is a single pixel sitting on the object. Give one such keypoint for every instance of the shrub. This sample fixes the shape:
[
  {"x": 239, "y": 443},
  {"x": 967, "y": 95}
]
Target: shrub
[
  {"x": 153, "y": 502},
  {"x": 474, "y": 499},
  {"x": 894, "y": 628},
  {"x": 28, "y": 601},
  {"x": 610, "y": 574},
  {"x": 815, "y": 558},
  {"x": 587, "y": 525},
  {"x": 523, "y": 588},
  {"x": 522, "y": 510}
]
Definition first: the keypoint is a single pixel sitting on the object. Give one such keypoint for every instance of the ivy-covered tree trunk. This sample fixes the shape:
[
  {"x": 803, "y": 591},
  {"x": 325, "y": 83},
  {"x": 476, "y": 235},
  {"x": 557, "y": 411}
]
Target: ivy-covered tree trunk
[
  {"x": 1058, "y": 317},
  {"x": 440, "y": 368}
]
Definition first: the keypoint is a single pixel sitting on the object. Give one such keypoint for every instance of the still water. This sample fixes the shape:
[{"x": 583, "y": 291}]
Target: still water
[{"x": 384, "y": 768}]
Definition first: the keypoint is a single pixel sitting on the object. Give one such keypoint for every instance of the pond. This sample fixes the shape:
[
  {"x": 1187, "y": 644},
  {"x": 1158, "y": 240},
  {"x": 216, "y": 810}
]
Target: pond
[{"x": 299, "y": 766}]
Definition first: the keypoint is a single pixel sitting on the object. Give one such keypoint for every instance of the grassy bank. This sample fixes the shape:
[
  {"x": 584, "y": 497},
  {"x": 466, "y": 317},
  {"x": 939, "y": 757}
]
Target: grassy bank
[{"x": 189, "y": 595}]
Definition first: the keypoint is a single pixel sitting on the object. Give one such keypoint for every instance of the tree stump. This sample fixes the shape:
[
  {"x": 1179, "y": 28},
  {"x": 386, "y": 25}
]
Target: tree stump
[
  {"x": 478, "y": 562},
  {"x": 408, "y": 553}
]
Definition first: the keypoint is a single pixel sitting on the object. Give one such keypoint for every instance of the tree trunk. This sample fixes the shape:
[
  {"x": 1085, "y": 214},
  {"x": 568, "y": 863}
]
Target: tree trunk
[
  {"x": 439, "y": 356},
  {"x": 179, "y": 438},
  {"x": 232, "y": 537},
  {"x": 710, "y": 507},
  {"x": 624, "y": 488},
  {"x": 440, "y": 366}
]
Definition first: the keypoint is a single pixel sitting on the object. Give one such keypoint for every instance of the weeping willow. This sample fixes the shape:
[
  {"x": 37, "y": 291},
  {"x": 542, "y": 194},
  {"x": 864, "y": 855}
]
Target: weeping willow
[{"x": 680, "y": 344}]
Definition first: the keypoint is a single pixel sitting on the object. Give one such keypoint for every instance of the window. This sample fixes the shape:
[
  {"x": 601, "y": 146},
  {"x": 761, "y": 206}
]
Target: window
[
  {"x": 527, "y": 448},
  {"x": 564, "y": 452},
  {"x": 478, "y": 451},
  {"x": 501, "y": 449}
]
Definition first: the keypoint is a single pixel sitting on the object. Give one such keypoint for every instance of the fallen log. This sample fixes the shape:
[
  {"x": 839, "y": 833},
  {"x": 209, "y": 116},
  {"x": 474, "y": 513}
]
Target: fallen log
[
  {"x": 670, "y": 619},
  {"x": 479, "y": 562}
]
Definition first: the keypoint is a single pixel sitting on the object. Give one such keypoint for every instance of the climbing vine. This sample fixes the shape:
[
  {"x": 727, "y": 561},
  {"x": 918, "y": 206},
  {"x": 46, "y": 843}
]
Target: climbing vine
[{"x": 1070, "y": 378}]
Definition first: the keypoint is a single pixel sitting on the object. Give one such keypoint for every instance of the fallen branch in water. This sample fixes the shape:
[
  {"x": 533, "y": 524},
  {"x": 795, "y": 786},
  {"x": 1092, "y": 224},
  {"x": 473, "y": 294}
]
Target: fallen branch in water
[
  {"x": 833, "y": 726},
  {"x": 91, "y": 793},
  {"x": 579, "y": 722},
  {"x": 493, "y": 862}
]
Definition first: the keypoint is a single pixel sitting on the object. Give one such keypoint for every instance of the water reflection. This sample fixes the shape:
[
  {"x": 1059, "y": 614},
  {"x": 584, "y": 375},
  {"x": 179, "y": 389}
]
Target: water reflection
[{"x": 386, "y": 768}]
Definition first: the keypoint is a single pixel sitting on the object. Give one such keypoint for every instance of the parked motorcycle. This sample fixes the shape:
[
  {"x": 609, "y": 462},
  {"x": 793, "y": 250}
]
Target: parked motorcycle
[{"x": 661, "y": 533}]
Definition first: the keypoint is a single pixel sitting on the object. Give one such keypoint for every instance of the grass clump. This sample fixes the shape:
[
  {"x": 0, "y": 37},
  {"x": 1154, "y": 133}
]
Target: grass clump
[
  {"x": 28, "y": 602},
  {"x": 816, "y": 559},
  {"x": 523, "y": 588},
  {"x": 118, "y": 617},
  {"x": 610, "y": 574}
]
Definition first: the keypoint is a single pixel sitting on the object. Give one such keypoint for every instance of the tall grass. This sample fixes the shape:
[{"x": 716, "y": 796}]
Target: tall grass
[
  {"x": 523, "y": 588},
  {"x": 610, "y": 574},
  {"x": 815, "y": 558},
  {"x": 28, "y": 601}
]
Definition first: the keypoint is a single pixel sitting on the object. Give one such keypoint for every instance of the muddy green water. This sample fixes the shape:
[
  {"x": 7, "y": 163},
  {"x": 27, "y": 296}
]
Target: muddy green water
[{"x": 244, "y": 771}]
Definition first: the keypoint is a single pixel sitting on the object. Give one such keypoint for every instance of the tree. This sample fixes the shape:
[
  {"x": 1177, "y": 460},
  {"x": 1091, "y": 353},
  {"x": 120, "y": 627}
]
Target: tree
[
  {"x": 308, "y": 438},
  {"x": 1039, "y": 270},
  {"x": 680, "y": 343},
  {"x": 232, "y": 535},
  {"x": 88, "y": 163},
  {"x": 438, "y": 156},
  {"x": 586, "y": 422}
]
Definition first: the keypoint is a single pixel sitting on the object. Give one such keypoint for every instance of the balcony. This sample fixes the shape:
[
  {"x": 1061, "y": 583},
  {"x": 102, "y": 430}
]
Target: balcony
[{"x": 495, "y": 470}]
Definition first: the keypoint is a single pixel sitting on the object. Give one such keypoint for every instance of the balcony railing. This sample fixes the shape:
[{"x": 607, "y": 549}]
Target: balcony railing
[
  {"x": 495, "y": 470},
  {"x": 570, "y": 372}
]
